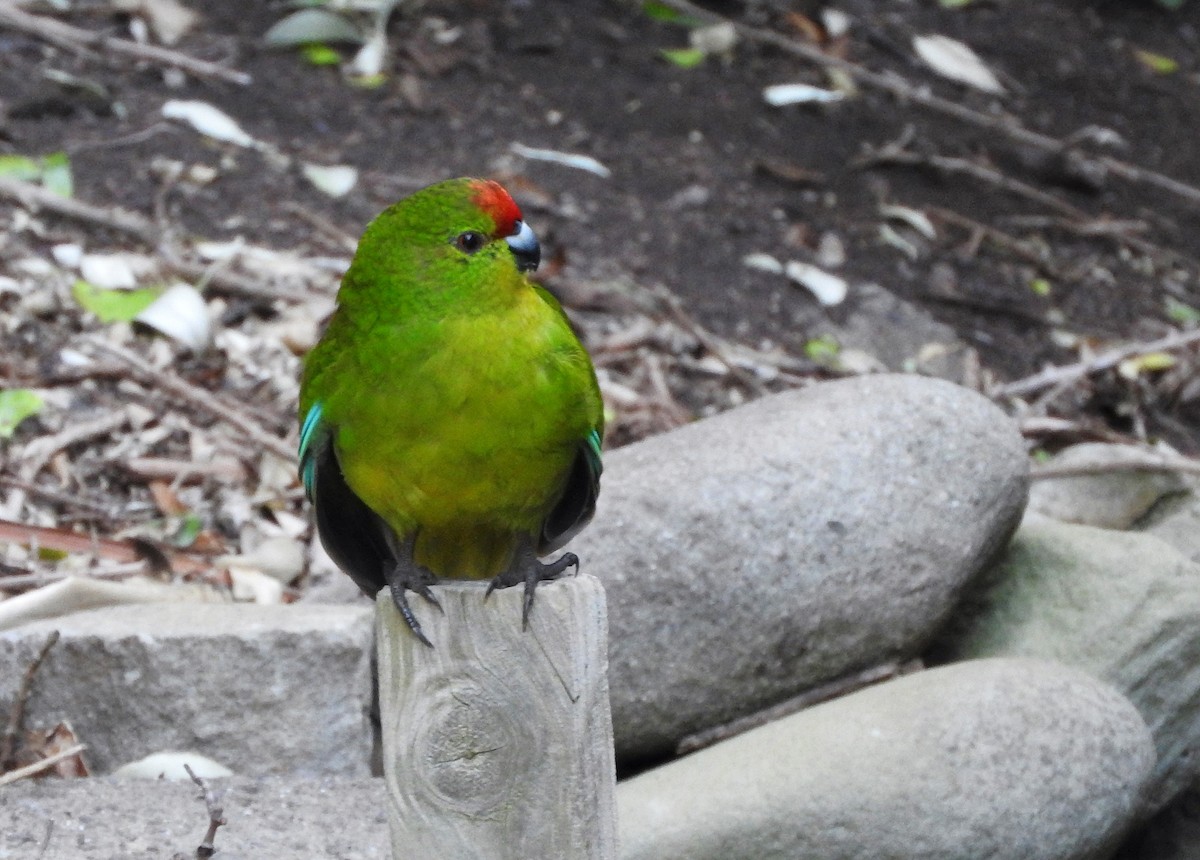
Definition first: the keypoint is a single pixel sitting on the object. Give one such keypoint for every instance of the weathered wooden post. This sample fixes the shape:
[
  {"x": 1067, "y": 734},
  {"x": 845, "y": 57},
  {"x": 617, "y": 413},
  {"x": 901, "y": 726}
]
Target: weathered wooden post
[{"x": 497, "y": 742}]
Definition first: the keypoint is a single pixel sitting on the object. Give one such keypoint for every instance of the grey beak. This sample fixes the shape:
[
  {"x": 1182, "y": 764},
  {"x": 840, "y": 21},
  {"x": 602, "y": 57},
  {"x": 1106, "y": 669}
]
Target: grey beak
[{"x": 525, "y": 247}]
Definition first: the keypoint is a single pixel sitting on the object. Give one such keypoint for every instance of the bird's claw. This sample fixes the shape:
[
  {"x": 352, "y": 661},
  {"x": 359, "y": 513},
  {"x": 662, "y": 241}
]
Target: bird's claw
[
  {"x": 401, "y": 578},
  {"x": 528, "y": 570}
]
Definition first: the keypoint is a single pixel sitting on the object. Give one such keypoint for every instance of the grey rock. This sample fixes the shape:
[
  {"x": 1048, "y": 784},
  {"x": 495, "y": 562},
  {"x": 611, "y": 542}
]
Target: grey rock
[
  {"x": 753, "y": 555},
  {"x": 260, "y": 689},
  {"x": 1176, "y": 519},
  {"x": 1111, "y": 500},
  {"x": 267, "y": 819},
  {"x": 1122, "y": 606},
  {"x": 1019, "y": 759}
]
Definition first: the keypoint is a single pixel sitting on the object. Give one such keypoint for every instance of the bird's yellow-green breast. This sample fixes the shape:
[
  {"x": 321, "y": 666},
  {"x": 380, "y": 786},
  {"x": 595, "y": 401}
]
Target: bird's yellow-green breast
[{"x": 452, "y": 390}]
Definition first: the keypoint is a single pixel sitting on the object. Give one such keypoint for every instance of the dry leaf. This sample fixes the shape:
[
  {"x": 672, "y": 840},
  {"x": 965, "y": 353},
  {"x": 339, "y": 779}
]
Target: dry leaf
[{"x": 954, "y": 60}]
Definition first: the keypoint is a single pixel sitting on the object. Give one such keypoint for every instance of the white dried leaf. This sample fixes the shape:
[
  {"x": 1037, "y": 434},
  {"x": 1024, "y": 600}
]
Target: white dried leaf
[
  {"x": 890, "y": 237},
  {"x": 291, "y": 525},
  {"x": 336, "y": 180},
  {"x": 108, "y": 271},
  {"x": 763, "y": 263},
  {"x": 779, "y": 95},
  {"x": 281, "y": 558},
  {"x": 75, "y": 594},
  {"x": 209, "y": 121},
  {"x": 169, "y": 20},
  {"x": 180, "y": 313},
  {"x": 952, "y": 59},
  {"x": 67, "y": 255},
  {"x": 371, "y": 57},
  {"x": 859, "y": 361},
  {"x": 254, "y": 586},
  {"x": 831, "y": 251},
  {"x": 567, "y": 159},
  {"x": 914, "y": 218},
  {"x": 214, "y": 251},
  {"x": 837, "y": 23},
  {"x": 714, "y": 39},
  {"x": 829, "y": 289},
  {"x": 312, "y": 25},
  {"x": 168, "y": 764}
]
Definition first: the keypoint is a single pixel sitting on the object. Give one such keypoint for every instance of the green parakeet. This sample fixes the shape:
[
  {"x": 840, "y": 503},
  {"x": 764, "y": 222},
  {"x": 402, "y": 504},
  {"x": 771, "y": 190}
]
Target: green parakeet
[{"x": 450, "y": 418}]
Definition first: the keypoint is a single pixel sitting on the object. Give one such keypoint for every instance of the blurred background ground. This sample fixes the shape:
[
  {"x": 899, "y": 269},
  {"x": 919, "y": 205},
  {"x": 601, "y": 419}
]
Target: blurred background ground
[{"x": 962, "y": 250}]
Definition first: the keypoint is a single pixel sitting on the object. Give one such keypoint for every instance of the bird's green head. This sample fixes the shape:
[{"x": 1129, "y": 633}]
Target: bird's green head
[{"x": 462, "y": 239}]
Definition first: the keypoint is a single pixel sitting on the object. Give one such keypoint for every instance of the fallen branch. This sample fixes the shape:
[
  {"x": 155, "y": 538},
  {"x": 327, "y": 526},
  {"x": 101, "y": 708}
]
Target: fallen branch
[
  {"x": 78, "y": 40},
  {"x": 119, "y": 551},
  {"x": 891, "y": 82},
  {"x": 16, "y": 714},
  {"x": 1069, "y": 373},
  {"x": 892, "y": 154},
  {"x": 1024, "y": 250}
]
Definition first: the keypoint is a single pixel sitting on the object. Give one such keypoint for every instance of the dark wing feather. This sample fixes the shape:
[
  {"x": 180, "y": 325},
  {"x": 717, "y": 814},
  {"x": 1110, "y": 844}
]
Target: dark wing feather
[
  {"x": 578, "y": 502},
  {"x": 355, "y": 537}
]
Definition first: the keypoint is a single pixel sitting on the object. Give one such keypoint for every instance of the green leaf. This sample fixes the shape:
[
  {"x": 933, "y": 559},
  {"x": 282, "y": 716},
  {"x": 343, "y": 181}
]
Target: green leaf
[
  {"x": 20, "y": 167},
  {"x": 1157, "y": 63},
  {"x": 823, "y": 349},
  {"x": 1150, "y": 362},
  {"x": 317, "y": 54},
  {"x": 662, "y": 12},
  {"x": 1182, "y": 313},
  {"x": 685, "y": 58},
  {"x": 1040, "y": 286},
  {"x": 53, "y": 171},
  {"x": 113, "y": 305},
  {"x": 16, "y": 405},
  {"x": 953, "y": 4},
  {"x": 368, "y": 82},
  {"x": 56, "y": 174},
  {"x": 190, "y": 527}
]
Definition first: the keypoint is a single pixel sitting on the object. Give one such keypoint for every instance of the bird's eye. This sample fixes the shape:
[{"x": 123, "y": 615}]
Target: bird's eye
[{"x": 470, "y": 241}]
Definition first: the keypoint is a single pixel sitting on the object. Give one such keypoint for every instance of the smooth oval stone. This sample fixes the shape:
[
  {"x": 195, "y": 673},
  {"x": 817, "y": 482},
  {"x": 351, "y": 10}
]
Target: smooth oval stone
[
  {"x": 1019, "y": 759},
  {"x": 753, "y": 555},
  {"x": 1123, "y": 606}
]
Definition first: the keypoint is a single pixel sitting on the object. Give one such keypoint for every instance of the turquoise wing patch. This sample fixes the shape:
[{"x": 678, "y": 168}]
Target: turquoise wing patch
[{"x": 312, "y": 439}]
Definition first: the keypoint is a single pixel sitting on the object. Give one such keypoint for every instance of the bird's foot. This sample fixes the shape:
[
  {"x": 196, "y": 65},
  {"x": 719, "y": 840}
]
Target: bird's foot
[
  {"x": 402, "y": 577},
  {"x": 526, "y": 568}
]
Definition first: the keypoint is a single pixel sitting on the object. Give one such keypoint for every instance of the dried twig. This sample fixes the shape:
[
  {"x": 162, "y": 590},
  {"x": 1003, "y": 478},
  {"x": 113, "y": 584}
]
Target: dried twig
[
  {"x": 120, "y": 551},
  {"x": 78, "y": 40},
  {"x": 180, "y": 388},
  {"x": 16, "y": 714},
  {"x": 946, "y": 164},
  {"x": 35, "y": 198},
  {"x": 216, "y": 816},
  {"x": 707, "y": 339},
  {"x": 896, "y": 85},
  {"x": 1024, "y": 250},
  {"x": 1148, "y": 462},
  {"x": 44, "y": 764},
  {"x": 1070, "y": 373}
]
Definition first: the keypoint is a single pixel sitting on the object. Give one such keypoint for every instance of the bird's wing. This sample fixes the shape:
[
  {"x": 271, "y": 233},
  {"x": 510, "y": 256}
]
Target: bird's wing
[
  {"x": 578, "y": 501},
  {"x": 355, "y": 537}
]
